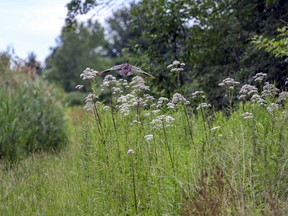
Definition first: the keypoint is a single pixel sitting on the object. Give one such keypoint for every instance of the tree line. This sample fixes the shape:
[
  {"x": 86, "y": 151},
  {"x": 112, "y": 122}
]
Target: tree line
[{"x": 215, "y": 40}]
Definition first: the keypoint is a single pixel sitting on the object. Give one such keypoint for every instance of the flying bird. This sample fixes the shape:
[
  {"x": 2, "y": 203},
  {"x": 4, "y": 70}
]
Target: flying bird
[{"x": 125, "y": 69}]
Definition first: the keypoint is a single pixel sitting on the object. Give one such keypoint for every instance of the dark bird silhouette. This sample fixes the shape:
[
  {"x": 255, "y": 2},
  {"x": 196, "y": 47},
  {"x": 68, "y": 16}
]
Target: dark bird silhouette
[{"x": 125, "y": 69}]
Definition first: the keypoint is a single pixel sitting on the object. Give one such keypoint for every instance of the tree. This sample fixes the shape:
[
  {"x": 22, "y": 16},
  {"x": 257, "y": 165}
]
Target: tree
[
  {"x": 75, "y": 51},
  {"x": 212, "y": 37}
]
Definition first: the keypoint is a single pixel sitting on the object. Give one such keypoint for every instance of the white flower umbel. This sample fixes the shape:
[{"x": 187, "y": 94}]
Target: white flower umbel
[
  {"x": 106, "y": 108},
  {"x": 215, "y": 128},
  {"x": 161, "y": 121},
  {"x": 283, "y": 96},
  {"x": 90, "y": 101},
  {"x": 230, "y": 83},
  {"x": 247, "y": 115},
  {"x": 175, "y": 64},
  {"x": 178, "y": 98},
  {"x": 161, "y": 101},
  {"x": 258, "y": 99},
  {"x": 130, "y": 152},
  {"x": 198, "y": 94},
  {"x": 148, "y": 137},
  {"x": 272, "y": 107},
  {"x": 138, "y": 85},
  {"x": 247, "y": 91},
  {"x": 88, "y": 74},
  {"x": 259, "y": 77},
  {"x": 109, "y": 81},
  {"x": 79, "y": 87},
  {"x": 269, "y": 90},
  {"x": 203, "y": 105}
]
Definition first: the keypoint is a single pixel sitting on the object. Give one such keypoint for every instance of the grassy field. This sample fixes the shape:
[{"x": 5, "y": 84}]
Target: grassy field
[{"x": 137, "y": 155}]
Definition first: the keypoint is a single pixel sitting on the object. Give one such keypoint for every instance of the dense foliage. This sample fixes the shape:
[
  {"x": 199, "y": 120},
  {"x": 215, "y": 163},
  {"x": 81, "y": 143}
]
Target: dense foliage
[
  {"x": 213, "y": 38},
  {"x": 76, "y": 50},
  {"x": 137, "y": 154},
  {"x": 31, "y": 121}
]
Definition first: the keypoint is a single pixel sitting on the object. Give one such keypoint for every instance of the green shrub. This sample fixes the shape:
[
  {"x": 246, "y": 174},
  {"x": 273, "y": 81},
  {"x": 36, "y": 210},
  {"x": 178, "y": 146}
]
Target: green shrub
[
  {"x": 75, "y": 98},
  {"x": 30, "y": 118}
]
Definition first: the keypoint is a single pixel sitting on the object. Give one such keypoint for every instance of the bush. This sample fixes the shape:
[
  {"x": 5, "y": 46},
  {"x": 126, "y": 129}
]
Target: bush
[
  {"x": 30, "y": 118},
  {"x": 75, "y": 98}
]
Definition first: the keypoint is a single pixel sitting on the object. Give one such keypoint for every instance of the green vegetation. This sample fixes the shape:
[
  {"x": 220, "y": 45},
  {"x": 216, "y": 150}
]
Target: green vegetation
[
  {"x": 212, "y": 37},
  {"x": 136, "y": 154},
  {"x": 31, "y": 120},
  {"x": 156, "y": 147}
]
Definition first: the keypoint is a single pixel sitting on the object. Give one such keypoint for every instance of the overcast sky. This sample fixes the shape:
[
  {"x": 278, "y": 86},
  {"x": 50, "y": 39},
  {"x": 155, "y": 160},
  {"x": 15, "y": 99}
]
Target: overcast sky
[{"x": 33, "y": 25}]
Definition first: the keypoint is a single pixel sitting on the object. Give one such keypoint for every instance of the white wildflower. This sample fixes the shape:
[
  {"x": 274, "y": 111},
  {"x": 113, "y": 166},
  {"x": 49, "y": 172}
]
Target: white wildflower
[
  {"x": 138, "y": 85},
  {"x": 79, "y": 87},
  {"x": 155, "y": 111},
  {"x": 259, "y": 76},
  {"x": 170, "y": 105},
  {"x": 198, "y": 94},
  {"x": 109, "y": 81},
  {"x": 283, "y": 96},
  {"x": 269, "y": 90},
  {"x": 162, "y": 120},
  {"x": 148, "y": 99},
  {"x": 88, "y": 74},
  {"x": 177, "y": 98},
  {"x": 176, "y": 66},
  {"x": 124, "y": 109},
  {"x": 247, "y": 91},
  {"x": 130, "y": 152},
  {"x": 116, "y": 90},
  {"x": 258, "y": 99},
  {"x": 247, "y": 115},
  {"x": 106, "y": 108},
  {"x": 161, "y": 100},
  {"x": 272, "y": 107},
  {"x": 203, "y": 105},
  {"x": 229, "y": 83},
  {"x": 215, "y": 128},
  {"x": 148, "y": 137}
]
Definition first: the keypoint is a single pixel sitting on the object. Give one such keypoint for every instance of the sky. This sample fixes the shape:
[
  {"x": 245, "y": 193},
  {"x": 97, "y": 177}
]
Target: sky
[{"x": 33, "y": 25}]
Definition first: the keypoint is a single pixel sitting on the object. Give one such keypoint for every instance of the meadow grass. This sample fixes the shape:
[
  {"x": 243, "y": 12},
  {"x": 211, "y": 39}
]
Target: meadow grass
[{"x": 136, "y": 155}]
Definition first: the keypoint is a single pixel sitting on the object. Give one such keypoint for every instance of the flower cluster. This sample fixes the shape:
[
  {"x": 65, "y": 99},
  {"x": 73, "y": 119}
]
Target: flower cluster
[
  {"x": 203, "y": 105},
  {"x": 230, "y": 83},
  {"x": 162, "y": 120},
  {"x": 161, "y": 101},
  {"x": 88, "y": 74},
  {"x": 247, "y": 91},
  {"x": 90, "y": 101},
  {"x": 79, "y": 87},
  {"x": 178, "y": 98},
  {"x": 259, "y": 76},
  {"x": 138, "y": 85},
  {"x": 148, "y": 137},
  {"x": 247, "y": 115},
  {"x": 215, "y": 128},
  {"x": 269, "y": 90},
  {"x": 272, "y": 107},
  {"x": 176, "y": 66},
  {"x": 283, "y": 96},
  {"x": 198, "y": 94},
  {"x": 256, "y": 98},
  {"x": 130, "y": 152}
]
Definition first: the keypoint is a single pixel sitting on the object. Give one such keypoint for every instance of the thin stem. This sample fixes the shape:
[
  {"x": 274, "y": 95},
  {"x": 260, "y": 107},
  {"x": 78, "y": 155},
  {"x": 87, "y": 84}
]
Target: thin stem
[
  {"x": 168, "y": 147},
  {"x": 134, "y": 184}
]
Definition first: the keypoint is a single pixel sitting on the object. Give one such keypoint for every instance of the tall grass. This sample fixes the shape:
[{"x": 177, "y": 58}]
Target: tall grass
[
  {"x": 138, "y": 155},
  {"x": 232, "y": 164},
  {"x": 30, "y": 119}
]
